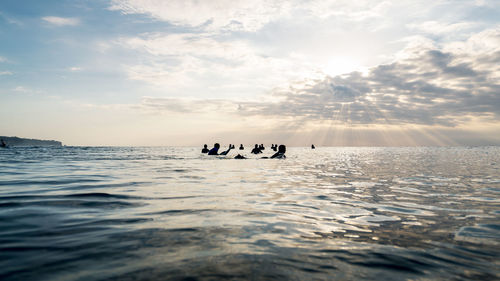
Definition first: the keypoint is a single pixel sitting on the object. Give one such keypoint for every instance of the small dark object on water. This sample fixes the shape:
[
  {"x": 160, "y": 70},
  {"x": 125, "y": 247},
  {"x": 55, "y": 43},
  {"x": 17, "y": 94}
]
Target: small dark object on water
[
  {"x": 256, "y": 150},
  {"x": 281, "y": 152},
  {"x": 215, "y": 150},
  {"x": 312, "y": 146},
  {"x": 205, "y": 149}
]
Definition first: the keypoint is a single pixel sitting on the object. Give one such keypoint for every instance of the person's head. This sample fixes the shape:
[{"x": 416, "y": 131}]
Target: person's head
[
  {"x": 241, "y": 144},
  {"x": 256, "y": 146},
  {"x": 205, "y": 146},
  {"x": 217, "y": 145},
  {"x": 282, "y": 148}
]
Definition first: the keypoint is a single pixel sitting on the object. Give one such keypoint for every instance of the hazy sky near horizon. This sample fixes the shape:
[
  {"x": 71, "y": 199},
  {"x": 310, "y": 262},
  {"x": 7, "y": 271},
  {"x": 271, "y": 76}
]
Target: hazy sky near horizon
[{"x": 182, "y": 72}]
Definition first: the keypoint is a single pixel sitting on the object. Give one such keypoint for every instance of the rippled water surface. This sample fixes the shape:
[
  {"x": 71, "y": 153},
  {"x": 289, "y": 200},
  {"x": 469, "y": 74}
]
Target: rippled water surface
[{"x": 101, "y": 213}]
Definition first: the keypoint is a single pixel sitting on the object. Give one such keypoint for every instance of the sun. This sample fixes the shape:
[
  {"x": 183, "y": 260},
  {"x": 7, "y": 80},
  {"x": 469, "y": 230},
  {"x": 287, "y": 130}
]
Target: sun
[{"x": 340, "y": 65}]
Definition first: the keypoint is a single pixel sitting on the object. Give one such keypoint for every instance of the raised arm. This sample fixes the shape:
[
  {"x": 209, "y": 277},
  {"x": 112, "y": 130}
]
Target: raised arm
[{"x": 225, "y": 152}]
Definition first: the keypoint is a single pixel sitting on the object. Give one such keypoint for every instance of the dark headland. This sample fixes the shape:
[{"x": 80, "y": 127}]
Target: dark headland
[{"x": 16, "y": 141}]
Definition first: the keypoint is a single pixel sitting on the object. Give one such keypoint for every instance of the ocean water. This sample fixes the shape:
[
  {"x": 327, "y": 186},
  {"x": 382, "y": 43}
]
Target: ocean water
[{"x": 170, "y": 213}]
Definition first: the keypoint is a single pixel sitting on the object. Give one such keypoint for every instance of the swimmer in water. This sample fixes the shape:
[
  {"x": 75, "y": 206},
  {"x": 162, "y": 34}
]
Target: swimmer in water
[
  {"x": 241, "y": 147},
  {"x": 215, "y": 150},
  {"x": 280, "y": 153},
  {"x": 256, "y": 150},
  {"x": 205, "y": 149}
]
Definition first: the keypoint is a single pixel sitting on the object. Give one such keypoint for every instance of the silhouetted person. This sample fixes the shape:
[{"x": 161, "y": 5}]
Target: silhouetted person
[
  {"x": 280, "y": 153},
  {"x": 239, "y": 156},
  {"x": 215, "y": 150},
  {"x": 205, "y": 149},
  {"x": 312, "y": 146},
  {"x": 241, "y": 147},
  {"x": 262, "y": 146},
  {"x": 3, "y": 144},
  {"x": 256, "y": 149},
  {"x": 231, "y": 146}
]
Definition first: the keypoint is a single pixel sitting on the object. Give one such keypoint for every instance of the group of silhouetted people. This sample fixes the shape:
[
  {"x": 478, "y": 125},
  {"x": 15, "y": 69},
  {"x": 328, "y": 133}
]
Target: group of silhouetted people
[
  {"x": 215, "y": 150},
  {"x": 257, "y": 149}
]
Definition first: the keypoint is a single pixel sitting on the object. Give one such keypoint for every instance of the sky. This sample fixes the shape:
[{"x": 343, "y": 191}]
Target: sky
[{"x": 189, "y": 72}]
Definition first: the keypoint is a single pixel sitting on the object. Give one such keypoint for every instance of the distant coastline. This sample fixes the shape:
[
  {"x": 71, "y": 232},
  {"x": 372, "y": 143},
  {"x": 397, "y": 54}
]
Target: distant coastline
[{"x": 17, "y": 141}]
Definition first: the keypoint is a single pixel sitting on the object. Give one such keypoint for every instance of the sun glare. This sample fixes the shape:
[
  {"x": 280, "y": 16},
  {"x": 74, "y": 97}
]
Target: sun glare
[{"x": 340, "y": 65}]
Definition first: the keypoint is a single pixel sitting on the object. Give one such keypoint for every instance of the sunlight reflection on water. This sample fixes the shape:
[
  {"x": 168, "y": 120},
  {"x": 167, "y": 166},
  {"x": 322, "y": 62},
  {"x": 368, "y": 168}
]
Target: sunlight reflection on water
[{"x": 170, "y": 213}]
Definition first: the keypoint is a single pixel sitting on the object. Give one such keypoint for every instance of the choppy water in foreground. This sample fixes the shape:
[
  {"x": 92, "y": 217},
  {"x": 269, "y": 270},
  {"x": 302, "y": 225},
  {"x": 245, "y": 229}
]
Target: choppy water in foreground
[{"x": 101, "y": 213}]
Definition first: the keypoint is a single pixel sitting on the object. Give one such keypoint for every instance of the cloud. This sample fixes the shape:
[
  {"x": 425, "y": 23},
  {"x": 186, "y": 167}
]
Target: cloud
[
  {"x": 185, "y": 105},
  {"x": 21, "y": 89},
  {"x": 60, "y": 21},
  {"x": 187, "y": 59},
  {"x": 218, "y": 14},
  {"x": 297, "y": 40},
  {"x": 249, "y": 16},
  {"x": 429, "y": 85},
  {"x": 75, "y": 69},
  {"x": 348, "y": 10},
  {"x": 25, "y": 90},
  {"x": 9, "y": 19},
  {"x": 444, "y": 28}
]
